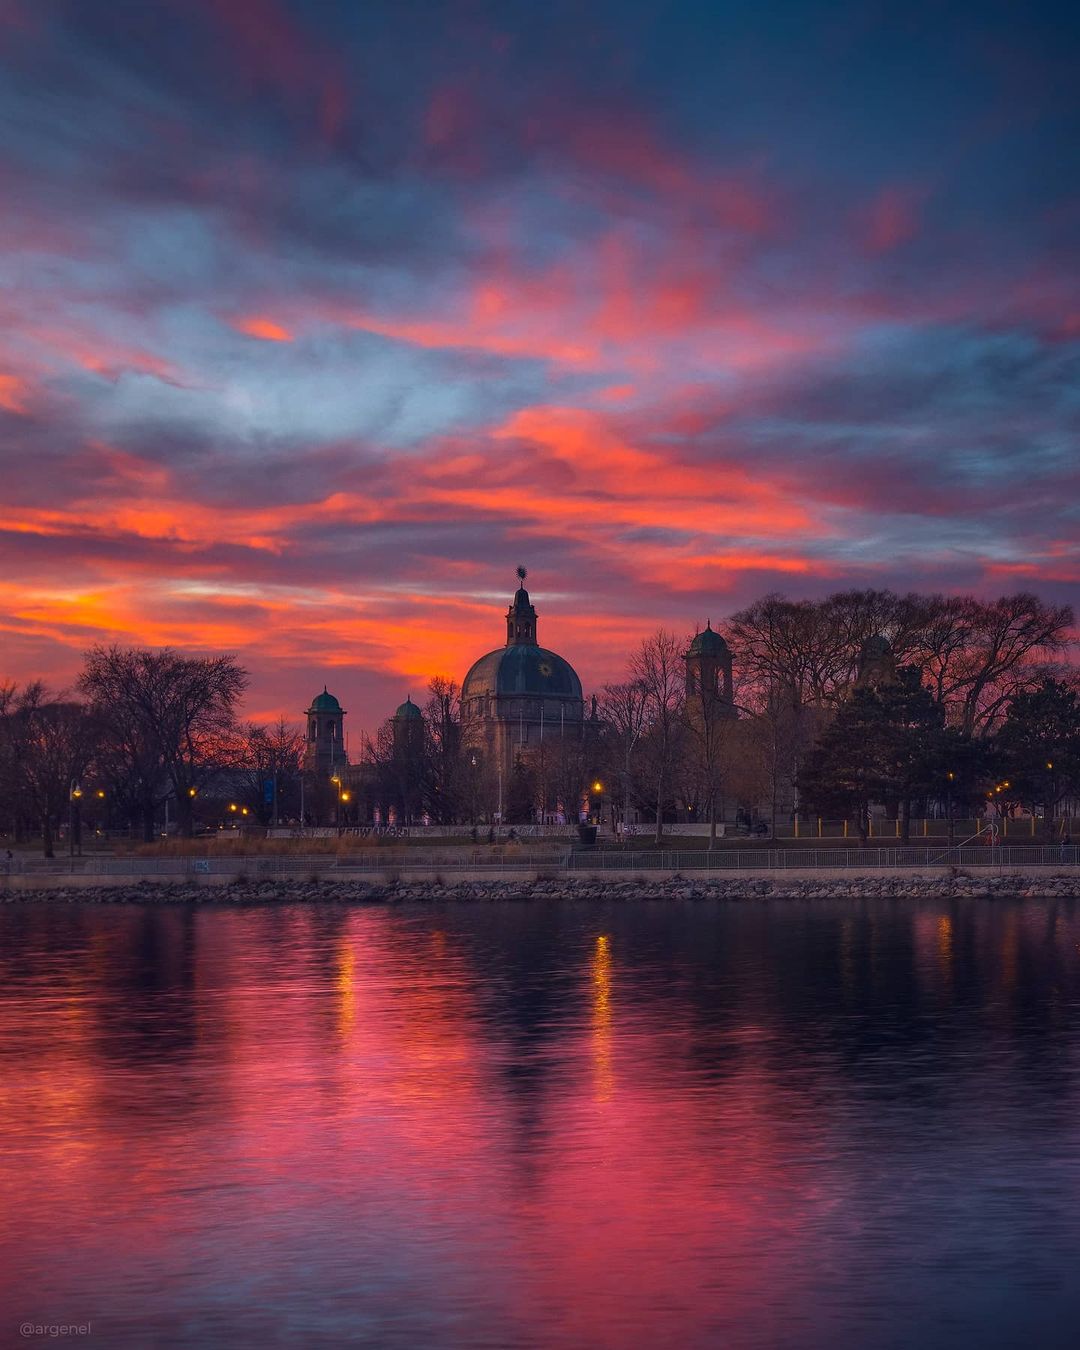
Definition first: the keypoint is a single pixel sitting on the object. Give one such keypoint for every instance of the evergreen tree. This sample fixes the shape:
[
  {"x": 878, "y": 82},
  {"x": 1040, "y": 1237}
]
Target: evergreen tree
[
  {"x": 1039, "y": 747},
  {"x": 885, "y": 745}
]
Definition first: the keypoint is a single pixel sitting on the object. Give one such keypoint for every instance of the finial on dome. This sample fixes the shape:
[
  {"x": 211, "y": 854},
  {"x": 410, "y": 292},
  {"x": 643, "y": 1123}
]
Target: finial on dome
[{"x": 522, "y": 572}]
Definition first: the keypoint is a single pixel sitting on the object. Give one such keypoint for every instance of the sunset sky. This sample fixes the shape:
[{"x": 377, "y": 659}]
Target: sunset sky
[{"x": 317, "y": 319}]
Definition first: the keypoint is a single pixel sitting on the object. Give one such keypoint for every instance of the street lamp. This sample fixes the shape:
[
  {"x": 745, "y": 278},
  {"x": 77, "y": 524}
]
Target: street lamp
[
  {"x": 74, "y": 793},
  {"x": 598, "y": 789},
  {"x": 472, "y": 790},
  {"x": 948, "y": 799}
]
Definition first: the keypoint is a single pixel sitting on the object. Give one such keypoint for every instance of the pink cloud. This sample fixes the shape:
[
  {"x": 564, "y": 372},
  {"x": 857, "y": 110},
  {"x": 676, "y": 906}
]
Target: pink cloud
[{"x": 891, "y": 220}]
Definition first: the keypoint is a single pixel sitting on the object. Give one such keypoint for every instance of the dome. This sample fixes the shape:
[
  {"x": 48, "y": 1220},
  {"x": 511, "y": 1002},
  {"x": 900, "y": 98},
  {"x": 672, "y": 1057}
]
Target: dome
[
  {"x": 408, "y": 709},
  {"x": 708, "y": 643},
  {"x": 522, "y": 669},
  {"x": 324, "y": 703}
]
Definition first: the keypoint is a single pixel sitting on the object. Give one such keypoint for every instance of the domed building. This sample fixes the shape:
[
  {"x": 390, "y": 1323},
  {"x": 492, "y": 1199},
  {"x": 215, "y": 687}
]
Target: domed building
[{"x": 521, "y": 695}]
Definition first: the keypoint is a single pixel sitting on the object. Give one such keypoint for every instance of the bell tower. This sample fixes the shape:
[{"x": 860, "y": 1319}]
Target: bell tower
[
  {"x": 324, "y": 752},
  {"x": 521, "y": 617},
  {"x": 709, "y": 671}
]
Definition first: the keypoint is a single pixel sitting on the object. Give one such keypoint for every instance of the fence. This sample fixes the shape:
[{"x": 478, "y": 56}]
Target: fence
[
  {"x": 977, "y": 856},
  {"x": 808, "y": 859}
]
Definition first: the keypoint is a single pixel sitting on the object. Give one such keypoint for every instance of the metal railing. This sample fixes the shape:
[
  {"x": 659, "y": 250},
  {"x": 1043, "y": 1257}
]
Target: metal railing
[
  {"x": 968, "y": 856},
  {"x": 808, "y": 859}
]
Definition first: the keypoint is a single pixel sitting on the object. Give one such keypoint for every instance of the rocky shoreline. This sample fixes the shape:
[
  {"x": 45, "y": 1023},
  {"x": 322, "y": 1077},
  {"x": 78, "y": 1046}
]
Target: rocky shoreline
[{"x": 958, "y": 885}]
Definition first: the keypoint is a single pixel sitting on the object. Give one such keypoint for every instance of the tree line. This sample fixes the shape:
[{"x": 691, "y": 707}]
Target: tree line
[
  {"x": 144, "y": 731},
  {"x": 980, "y": 711}
]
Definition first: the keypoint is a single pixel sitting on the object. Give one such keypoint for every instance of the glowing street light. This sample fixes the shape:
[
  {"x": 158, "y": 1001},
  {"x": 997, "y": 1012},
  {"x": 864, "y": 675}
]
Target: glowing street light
[
  {"x": 948, "y": 803},
  {"x": 74, "y": 793}
]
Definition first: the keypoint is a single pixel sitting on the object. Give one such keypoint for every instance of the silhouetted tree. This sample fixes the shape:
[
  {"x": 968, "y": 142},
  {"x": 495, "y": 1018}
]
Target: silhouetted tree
[
  {"x": 171, "y": 720},
  {"x": 272, "y": 754},
  {"x": 657, "y": 668},
  {"x": 883, "y": 746},
  {"x": 1039, "y": 747},
  {"x": 48, "y": 744}
]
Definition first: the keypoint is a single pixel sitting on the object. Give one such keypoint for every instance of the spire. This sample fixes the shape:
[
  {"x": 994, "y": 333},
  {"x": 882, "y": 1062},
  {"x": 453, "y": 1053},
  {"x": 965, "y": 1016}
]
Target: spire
[{"x": 521, "y": 616}]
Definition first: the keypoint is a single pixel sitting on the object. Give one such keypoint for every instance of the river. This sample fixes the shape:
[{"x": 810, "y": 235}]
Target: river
[{"x": 720, "y": 1124}]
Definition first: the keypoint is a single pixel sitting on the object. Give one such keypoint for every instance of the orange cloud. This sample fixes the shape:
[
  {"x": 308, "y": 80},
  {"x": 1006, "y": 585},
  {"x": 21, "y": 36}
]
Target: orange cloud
[
  {"x": 94, "y": 352},
  {"x": 14, "y": 394},
  {"x": 595, "y": 479},
  {"x": 263, "y": 328},
  {"x": 616, "y": 304}
]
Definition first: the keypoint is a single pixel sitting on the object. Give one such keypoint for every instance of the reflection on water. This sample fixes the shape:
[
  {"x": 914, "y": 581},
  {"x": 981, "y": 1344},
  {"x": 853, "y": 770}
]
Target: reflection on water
[{"x": 786, "y": 1124}]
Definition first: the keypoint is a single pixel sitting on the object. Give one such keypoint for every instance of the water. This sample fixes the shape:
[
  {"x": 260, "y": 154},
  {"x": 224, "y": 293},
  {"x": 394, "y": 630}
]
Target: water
[{"x": 784, "y": 1124}]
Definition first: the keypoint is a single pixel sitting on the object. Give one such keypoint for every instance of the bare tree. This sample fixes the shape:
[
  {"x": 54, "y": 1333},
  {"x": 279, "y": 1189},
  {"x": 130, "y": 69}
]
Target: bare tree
[
  {"x": 622, "y": 716},
  {"x": 171, "y": 719},
  {"x": 48, "y": 746},
  {"x": 975, "y": 655},
  {"x": 657, "y": 667},
  {"x": 272, "y": 754},
  {"x": 711, "y": 727},
  {"x": 445, "y": 783}
]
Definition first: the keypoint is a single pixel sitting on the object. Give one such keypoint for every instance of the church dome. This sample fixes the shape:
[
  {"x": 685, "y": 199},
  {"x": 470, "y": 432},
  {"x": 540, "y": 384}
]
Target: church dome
[
  {"x": 522, "y": 669},
  {"x": 408, "y": 709},
  {"x": 325, "y": 703},
  {"x": 708, "y": 643},
  {"x": 874, "y": 648}
]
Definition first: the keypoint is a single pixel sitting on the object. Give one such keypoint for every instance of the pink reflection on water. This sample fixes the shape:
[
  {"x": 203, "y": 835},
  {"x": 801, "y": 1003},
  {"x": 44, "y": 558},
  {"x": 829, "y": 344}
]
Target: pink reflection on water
[{"x": 430, "y": 1125}]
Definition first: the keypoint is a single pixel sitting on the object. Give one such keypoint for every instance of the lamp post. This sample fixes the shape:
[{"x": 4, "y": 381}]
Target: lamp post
[
  {"x": 948, "y": 799},
  {"x": 74, "y": 794},
  {"x": 472, "y": 787},
  {"x": 337, "y": 784},
  {"x": 598, "y": 789}
]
